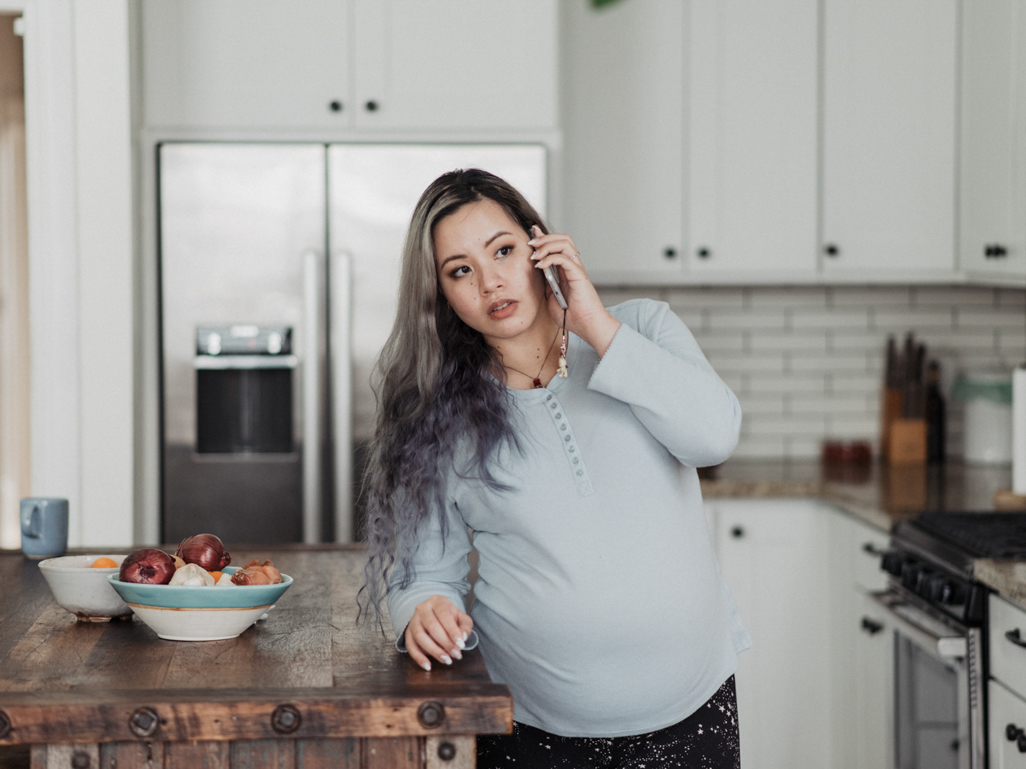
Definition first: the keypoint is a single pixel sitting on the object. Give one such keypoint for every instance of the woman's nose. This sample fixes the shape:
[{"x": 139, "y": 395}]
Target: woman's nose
[{"x": 491, "y": 279}]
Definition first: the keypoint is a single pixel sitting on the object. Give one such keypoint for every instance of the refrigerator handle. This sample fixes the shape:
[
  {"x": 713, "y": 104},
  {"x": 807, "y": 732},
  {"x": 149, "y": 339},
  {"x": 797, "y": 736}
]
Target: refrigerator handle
[
  {"x": 342, "y": 391},
  {"x": 313, "y": 282}
]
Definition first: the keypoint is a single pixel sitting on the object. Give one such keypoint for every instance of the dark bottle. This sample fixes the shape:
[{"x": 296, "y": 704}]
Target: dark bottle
[{"x": 935, "y": 439}]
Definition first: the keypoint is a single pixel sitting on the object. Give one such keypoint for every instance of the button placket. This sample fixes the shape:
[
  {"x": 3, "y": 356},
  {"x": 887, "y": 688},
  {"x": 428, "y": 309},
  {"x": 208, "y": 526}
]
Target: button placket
[{"x": 562, "y": 425}]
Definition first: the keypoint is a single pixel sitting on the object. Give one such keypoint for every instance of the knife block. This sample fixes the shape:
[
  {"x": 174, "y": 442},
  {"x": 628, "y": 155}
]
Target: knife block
[
  {"x": 891, "y": 406},
  {"x": 906, "y": 442}
]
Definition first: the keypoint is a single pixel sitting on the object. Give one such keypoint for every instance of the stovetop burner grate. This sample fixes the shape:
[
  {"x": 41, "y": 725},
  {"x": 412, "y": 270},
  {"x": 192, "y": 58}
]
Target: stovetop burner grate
[{"x": 982, "y": 535}]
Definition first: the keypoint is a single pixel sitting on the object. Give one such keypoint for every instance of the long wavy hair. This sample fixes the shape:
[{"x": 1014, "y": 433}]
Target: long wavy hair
[{"x": 439, "y": 386}]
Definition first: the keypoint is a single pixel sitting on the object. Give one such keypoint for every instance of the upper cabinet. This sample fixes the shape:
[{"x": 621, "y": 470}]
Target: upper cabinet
[
  {"x": 993, "y": 199},
  {"x": 889, "y": 162},
  {"x": 753, "y": 125},
  {"x": 623, "y": 123},
  {"x": 423, "y": 65}
]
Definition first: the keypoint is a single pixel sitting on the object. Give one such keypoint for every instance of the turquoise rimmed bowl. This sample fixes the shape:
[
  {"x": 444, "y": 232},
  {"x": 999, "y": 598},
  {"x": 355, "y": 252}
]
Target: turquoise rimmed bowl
[{"x": 200, "y": 612}]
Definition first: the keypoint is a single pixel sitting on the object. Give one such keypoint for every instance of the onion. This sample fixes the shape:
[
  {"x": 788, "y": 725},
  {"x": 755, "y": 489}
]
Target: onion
[
  {"x": 256, "y": 573},
  {"x": 204, "y": 550},
  {"x": 147, "y": 567}
]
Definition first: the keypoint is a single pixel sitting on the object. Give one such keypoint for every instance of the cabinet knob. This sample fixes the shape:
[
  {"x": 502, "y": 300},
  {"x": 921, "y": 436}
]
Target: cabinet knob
[
  {"x": 335, "y": 106},
  {"x": 831, "y": 249},
  {"x": 995, "y": 251},
  {"x": 1016, "y": 735},
  {"x": 870, "y": 626},
  {"x": 670, "y": 252},
  {"x": 737, "y": 532},
  {"x": 371, "y": 106},
  {"x": 703, "y": 252},
  {"x": 1014, "y": 637}
]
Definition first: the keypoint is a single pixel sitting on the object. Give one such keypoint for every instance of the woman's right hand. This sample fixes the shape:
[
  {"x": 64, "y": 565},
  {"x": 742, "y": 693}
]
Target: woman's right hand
[{"x": 438, "y": 629}]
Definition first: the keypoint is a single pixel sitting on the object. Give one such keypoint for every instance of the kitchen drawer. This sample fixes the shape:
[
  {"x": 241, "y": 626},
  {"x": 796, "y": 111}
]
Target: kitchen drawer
[
  {"x": 1008, "y": 655},
  {"x": 1007, "y": 713},
  {"x": 870, "y": 545}
]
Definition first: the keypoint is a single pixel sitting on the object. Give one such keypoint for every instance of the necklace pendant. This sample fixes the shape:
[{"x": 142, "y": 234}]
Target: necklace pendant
[
  {"x": 561, "y": 371},
  {"x": 537, "y": 384}
]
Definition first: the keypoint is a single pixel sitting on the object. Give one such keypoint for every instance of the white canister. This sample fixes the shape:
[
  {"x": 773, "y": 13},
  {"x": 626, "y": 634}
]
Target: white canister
[{"x": 988, "y": 416}]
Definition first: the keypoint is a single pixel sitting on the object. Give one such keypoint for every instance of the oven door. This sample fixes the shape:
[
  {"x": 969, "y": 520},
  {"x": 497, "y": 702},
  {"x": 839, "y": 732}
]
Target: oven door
[{"x": 938, "y": 679}]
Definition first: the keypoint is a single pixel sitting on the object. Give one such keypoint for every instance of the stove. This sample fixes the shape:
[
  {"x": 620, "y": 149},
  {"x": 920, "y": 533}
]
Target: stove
[{"x": 938, "y": 613}]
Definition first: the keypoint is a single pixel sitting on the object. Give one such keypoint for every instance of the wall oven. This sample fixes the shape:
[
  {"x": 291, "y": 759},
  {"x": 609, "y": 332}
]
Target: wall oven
[{"x": 939, "y": 615}]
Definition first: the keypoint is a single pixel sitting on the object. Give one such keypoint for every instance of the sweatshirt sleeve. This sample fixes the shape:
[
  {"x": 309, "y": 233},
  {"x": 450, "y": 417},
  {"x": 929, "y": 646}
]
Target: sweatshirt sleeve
[
  {"x": 655, "y": 366},
  {"x": 440, "y": 568}
]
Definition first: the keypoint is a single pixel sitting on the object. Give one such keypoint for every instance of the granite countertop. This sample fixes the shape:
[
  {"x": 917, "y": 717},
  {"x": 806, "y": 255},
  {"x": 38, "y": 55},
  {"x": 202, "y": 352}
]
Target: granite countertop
[{"x": 880, "y": 495}]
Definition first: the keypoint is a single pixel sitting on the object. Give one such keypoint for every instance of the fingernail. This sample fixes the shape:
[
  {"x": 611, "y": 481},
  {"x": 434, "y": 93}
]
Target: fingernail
[
  {"x": 466, "y": 636},
  {"x": 446, "y": 659},
  {"x": 427, "y": 666},
  {"x": 459, "y": 643},
  {"x": 456, "y": 653}
]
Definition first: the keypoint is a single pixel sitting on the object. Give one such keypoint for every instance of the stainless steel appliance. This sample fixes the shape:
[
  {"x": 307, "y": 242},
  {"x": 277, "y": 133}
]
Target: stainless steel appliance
[
  {"x": 939, "y": 614},
  {"x": 279, "y": 269}
]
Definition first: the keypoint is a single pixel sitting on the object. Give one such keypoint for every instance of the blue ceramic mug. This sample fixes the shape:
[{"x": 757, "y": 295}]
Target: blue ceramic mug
[{"x": 44, "y": 527}]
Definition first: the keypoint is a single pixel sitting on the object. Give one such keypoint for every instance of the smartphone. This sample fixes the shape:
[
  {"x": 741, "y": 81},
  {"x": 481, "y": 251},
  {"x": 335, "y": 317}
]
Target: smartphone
[
  {"x": 551, "y": 275},
  {"x": 553, "y": 278}
]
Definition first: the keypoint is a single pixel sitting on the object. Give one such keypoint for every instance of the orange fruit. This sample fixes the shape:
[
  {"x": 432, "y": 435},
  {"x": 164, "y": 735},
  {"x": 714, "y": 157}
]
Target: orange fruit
[
  {"x": 104, "y": 563},
  {"x": 216, "y": 575}
]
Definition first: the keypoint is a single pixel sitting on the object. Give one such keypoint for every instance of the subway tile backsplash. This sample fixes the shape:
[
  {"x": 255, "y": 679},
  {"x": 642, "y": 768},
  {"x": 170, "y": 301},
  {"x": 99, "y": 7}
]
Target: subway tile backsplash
[{"x": 807, "y": 362}]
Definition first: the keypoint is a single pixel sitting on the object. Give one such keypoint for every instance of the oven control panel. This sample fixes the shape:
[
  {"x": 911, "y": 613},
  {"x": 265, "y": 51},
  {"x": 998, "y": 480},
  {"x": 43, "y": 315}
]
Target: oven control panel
[{"x": 954, "y": 595}]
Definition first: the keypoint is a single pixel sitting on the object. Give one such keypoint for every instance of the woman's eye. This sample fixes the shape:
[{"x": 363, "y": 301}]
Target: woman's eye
[
  {"x": 505, "y": 251},
  {"x": 459, "y": 272}
]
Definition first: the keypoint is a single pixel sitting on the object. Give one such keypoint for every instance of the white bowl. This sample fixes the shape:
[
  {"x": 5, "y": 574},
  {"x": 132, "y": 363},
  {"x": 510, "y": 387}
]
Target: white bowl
[
  {"x": 200, "y": 612},
  {"x": 83, "y": 590}
]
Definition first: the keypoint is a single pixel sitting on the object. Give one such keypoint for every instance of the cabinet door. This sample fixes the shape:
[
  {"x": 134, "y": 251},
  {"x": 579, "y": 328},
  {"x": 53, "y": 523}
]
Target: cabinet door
[
  {"x": 773, "y": 557},
  {"x": 456, "y": 64},
  {"x": 623, "y": 118},
  {"x": 753, "y": 143},
  {"x": 874, "y": 685},
  {"x": 889, "y": 139},
  {"x": 993, "y": 199},
  {"x": 1006, "y": 712},
  {"x": 238, "y": 64}
]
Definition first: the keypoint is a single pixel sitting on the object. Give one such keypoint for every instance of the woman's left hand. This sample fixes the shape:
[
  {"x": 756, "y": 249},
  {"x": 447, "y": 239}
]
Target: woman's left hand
[{"x": 585, "y": 315}]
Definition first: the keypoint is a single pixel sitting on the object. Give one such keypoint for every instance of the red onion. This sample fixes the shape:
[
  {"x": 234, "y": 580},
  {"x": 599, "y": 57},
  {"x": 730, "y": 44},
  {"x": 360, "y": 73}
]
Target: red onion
[
  {"x": 204, "y": 550},
  {"x": 147, "y": 567}
]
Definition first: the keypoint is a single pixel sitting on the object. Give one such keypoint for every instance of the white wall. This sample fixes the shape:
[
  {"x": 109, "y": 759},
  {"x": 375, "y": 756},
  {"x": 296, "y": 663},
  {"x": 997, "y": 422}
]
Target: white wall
[{"x": 79, "y": 159}]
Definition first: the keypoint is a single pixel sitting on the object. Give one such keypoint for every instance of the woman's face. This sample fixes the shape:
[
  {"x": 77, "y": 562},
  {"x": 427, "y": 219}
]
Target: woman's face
[{"x": 486, "y": 273}]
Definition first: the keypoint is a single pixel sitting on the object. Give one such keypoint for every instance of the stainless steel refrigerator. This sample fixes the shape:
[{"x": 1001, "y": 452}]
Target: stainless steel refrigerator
[{"x": 279, "y": 268}]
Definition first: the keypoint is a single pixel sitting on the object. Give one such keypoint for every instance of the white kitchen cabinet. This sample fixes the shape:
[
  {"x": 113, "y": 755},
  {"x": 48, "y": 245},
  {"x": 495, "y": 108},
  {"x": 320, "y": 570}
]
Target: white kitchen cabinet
[
  {"x": 753, "y": 140},
  {"x": 1007, "y": 716},
  {"x": 873, "y": 673},
  {"x": 993, "y": 167},
  {"x": 889, "y": 139},
  {"x": 623, "y": 123},
  {"x": 340, "y": 64},
  {"x": 773, "y": 557}
]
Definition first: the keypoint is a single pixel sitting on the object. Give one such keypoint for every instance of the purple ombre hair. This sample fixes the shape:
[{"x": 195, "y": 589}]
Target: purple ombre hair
[{"x": 440, "y": 388}]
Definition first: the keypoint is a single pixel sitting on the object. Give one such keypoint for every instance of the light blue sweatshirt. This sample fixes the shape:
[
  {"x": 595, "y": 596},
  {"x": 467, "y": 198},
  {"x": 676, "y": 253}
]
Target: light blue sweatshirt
[{"x": 599, "y": 601}]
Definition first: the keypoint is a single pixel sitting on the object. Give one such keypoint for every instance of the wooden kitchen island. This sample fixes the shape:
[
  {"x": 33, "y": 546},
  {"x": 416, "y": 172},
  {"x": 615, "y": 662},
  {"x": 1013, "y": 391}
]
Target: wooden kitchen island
[{"x": 305, "y": 688}]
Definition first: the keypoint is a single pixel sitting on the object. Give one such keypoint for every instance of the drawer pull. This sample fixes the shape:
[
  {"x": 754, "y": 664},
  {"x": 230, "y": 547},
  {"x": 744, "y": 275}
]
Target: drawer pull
[
  {"x": 1016, "y": 735},
  {"x": 1014, "y": 637},
  {"x": 872, "y": 549}
]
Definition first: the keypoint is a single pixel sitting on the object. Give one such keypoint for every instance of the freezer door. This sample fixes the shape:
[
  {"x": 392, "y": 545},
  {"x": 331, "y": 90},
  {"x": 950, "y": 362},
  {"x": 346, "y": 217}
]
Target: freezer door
[
  {"x": 242, "y": 238},
  {"x": 372, "y": 191}
]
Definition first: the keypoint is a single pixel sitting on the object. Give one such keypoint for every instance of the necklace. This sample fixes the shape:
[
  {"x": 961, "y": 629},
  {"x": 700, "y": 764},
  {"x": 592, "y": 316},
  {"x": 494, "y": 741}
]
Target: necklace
[{"x": 536, "y": 380}]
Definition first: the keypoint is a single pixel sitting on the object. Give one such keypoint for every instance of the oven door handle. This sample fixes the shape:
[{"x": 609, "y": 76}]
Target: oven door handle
[{"x": 927, "y": 632}]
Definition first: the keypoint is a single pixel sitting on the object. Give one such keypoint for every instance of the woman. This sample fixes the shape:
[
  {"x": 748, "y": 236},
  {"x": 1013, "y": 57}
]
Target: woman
[{"x": 599, "y": 601}]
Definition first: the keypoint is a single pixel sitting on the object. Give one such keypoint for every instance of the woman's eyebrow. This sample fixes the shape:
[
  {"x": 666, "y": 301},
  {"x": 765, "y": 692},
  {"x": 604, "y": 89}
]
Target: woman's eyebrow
[{"x": 487, "y": 243}]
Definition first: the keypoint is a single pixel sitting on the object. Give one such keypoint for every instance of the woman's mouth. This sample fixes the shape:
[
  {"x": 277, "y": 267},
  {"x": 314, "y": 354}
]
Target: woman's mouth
[{"x": 503, "y": 310}]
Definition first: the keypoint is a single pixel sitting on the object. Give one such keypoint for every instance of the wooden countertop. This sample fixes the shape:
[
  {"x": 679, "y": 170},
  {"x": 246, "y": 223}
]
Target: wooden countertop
[{"x": 65, "y": 681}]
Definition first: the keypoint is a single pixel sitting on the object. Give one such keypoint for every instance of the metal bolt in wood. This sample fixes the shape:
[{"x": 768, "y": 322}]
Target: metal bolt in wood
[
  {"x": 144, "y": 722},
  {"x": 447, "y": 751},
  {"x": 80, "y": 760},
  {"x": 285, "y": 719},
  {"x": 431, "y": 714}
]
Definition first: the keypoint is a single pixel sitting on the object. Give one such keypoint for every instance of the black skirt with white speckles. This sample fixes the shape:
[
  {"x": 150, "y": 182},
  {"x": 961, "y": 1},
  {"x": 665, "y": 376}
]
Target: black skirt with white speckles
[{"x": 707, "y": 739}]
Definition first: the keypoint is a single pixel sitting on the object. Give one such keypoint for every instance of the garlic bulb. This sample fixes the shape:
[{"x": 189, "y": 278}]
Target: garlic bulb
[
  {"x": 191, "y": 574},
  {"x": 225, "y": 579}
]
